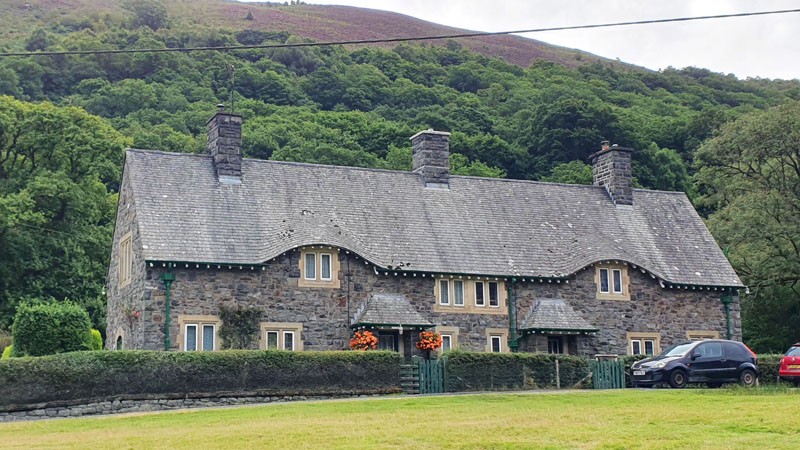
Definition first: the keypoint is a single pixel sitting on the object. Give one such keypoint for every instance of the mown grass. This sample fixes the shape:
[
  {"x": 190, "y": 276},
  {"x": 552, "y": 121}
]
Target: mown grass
[{"x": 661, "y": 419}]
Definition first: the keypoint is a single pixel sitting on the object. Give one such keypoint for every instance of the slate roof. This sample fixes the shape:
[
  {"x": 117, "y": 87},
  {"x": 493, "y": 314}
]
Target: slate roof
[
  {"x": 555, "y": 315},
  {"x": 479, "y": 226},
  {"x": 389, "y": 309}
]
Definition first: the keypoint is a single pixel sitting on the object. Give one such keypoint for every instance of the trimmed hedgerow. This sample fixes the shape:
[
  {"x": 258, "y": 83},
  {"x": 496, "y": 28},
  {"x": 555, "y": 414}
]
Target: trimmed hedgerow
[
  {"x": 49, "y": 328},
  {"x": 83, "y": 376},
  {"x": 8, "y": 352},
  {"x": 467, "y": 371}
]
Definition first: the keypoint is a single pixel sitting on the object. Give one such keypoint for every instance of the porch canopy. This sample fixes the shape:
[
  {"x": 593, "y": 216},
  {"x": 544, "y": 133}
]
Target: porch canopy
[
  {"x": 554, "y": 316},
  {"x": 389, "y": 310}
]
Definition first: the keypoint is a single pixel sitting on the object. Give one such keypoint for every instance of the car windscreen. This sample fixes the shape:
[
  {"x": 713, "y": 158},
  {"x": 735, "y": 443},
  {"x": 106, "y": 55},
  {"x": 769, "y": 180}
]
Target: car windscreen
[
  {"x": 677, "y": 350},
  {"x": 794, "y": 351}
]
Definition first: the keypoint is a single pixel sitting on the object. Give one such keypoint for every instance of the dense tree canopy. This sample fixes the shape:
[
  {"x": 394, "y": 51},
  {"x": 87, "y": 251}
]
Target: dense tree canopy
[
  {"x": 59, "y": 169},
  {"x": 751, "y": 176}
]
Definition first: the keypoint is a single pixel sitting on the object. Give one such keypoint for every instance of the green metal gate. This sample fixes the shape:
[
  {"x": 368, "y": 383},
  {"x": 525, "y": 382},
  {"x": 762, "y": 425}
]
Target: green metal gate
[
  {"x": 431, "y": 376},
  {"x": 608, "y": 374}
]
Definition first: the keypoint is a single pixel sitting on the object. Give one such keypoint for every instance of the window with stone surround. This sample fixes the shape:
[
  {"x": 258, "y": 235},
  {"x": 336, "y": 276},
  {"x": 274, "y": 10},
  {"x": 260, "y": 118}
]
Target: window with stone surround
[
  {"x": 612, "y": 282},
  {"x": 281, "y": 336},
  {"x": 125, "y": 260},
  {"x": 644, "y": 343},
  {"x": 699, "y": 335},
  {"x": 319, "y": 267},
  {"x": 198, "y": 333},
  {"x": 449, "y": 337},
  {"x": 497, "y": 340},
  {"x": 470, "y": 295}
]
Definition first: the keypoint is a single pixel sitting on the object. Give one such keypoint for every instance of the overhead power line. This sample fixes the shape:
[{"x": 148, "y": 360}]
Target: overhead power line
[{"x": 389, "y": 40}]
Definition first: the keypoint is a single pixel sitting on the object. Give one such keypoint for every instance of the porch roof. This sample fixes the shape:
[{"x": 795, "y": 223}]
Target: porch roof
[
  {"x": 389, "y": 309},
  {"x": 553, "y": 315}
]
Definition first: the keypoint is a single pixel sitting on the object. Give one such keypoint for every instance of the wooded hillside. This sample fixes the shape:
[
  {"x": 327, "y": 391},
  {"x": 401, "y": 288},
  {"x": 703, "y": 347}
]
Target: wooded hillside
[{"x": 61, "y": 160}]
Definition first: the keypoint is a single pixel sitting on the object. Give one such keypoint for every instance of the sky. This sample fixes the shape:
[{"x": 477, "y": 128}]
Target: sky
[{"x": 761, "y": 46}]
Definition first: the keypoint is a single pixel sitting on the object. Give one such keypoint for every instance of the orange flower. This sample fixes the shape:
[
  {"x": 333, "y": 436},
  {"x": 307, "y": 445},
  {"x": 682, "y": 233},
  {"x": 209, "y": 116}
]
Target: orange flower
[
  {"x": 363, "y": 340},
  {"x": 429, "y": 340}
]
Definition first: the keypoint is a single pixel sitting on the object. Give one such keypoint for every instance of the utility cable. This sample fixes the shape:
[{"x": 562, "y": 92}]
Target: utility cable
[{"x": 389, "y": 40}]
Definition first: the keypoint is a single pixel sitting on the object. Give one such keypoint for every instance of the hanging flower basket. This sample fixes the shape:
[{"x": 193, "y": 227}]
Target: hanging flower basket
[
  {"x": 429, "y": 341},
  {"x": 363, "y": 340}
]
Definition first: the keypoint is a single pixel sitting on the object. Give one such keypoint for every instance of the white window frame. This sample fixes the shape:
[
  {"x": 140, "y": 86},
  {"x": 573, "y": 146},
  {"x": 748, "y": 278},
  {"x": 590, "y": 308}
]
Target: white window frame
[
  {"x": 614, "y": 274},
  {"x": 322, "y": 257},
  {"x": 186, "y": 337},
  {"x": 458, "y": 288},
  {"x": 482, "y": 291},
  {"x": 496, "y": 338},
  {"x": 496, "y": 300},
  {"x": 277, "y": 335},
  {"x": 444, "y": 292},
  {"x": 288, "y": 333},
  {"x": 310, "y": 256},
  {"x": 448, "y": 338},
  {"x": 604, "y": 272}
]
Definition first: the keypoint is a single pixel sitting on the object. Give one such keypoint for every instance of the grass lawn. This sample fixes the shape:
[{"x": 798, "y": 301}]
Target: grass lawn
[{"x": 692, "y": 418}]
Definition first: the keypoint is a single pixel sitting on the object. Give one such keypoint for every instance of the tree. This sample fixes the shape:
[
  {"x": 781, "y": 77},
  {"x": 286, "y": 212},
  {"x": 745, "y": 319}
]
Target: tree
[
  {"x": 59, "y": 172},
  {"x": 573, "y": 172},
  {"x": 148, "y": 13},
  {"x": 750, "y": 174}
]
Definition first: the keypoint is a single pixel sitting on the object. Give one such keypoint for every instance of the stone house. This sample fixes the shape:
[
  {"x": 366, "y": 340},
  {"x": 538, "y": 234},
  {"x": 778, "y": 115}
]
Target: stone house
[{"x": 491, "y": 264}]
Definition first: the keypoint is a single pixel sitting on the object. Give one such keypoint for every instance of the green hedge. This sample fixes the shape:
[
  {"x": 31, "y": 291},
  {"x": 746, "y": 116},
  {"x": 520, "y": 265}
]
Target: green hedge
[
  {"x": 768, "y": 366},
  {"x": 48, "y": 328},
  {"x": 82, "y": 376},
  {"x": 467, "y": 371},
  {"x": 8, "y": 352}
]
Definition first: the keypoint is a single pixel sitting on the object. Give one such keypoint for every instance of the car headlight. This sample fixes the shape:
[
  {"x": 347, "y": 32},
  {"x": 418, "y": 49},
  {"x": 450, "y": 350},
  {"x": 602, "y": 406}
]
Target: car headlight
[{"x": 659, "y": 365}]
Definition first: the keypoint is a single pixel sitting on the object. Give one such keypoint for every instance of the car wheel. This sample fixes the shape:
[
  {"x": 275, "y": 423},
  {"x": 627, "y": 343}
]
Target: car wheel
[
  {"x": 713, "y": 385},
  {"x": 677, "y": 379},
  {"x": 747, "y": 377}
]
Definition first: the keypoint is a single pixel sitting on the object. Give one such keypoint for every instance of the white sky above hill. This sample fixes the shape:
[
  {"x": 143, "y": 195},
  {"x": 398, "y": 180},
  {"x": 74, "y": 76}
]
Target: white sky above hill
[{"x": 760, "y": 46}]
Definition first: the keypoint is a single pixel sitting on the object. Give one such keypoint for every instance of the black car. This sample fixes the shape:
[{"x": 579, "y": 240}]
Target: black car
[{"x": 713, "y": 361}]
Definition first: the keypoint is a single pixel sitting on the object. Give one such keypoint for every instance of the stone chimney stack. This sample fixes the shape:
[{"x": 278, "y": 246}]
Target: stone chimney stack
[
  {"x": 431, "y": 151},
  {"x": 611, "y": 167},
  {"x": 225, "y": 145}
]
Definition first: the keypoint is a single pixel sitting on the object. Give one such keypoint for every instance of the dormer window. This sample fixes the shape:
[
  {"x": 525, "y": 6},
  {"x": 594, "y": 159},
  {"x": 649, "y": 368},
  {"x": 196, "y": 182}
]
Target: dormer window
[
  {"x": 319, "y": 267},
  {"x": 612, "y": 282}
]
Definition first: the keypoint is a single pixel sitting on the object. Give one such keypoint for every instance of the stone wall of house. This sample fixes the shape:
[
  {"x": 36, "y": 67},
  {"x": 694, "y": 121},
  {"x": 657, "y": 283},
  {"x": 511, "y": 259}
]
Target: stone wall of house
[
  {"x": 126, "y": 302},
  {"x": 651, "y": 309},
  {"x": 326, "y": 312}
]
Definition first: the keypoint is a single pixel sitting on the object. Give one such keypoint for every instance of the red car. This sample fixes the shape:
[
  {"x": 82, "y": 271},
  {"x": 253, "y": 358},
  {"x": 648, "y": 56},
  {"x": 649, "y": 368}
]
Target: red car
[{"x": 790, "y": 365}]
